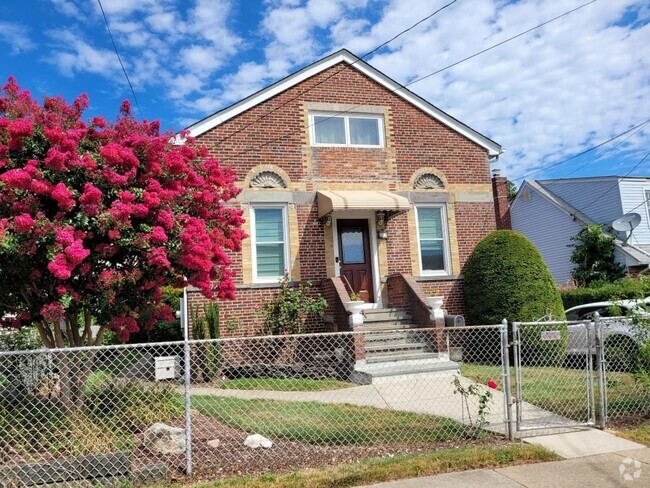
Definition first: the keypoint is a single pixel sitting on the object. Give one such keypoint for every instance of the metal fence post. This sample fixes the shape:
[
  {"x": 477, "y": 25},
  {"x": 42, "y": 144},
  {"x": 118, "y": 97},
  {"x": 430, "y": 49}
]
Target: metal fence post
[
  {"x": 601, "y": 367},
  {"x": 517, "y": 361},
  {"x": 187, "y": 378},
  {"x": 507, "y": 391}
]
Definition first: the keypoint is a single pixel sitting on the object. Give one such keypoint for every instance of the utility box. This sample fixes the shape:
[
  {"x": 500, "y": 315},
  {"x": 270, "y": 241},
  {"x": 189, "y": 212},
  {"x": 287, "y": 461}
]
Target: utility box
[{"x": 167, "y": 367}]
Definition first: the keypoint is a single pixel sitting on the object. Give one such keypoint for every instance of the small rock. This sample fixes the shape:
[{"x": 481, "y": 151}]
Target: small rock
[
  {"x": 255, "y": 440},
  {"x": 164, "y": 439},
  {"x": 214, "y": 443}
]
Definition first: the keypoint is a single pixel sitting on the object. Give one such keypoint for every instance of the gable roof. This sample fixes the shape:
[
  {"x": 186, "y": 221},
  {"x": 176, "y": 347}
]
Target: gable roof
[
  {"x": 343, "y": 56},
  {"x": 581, "y": 218}
]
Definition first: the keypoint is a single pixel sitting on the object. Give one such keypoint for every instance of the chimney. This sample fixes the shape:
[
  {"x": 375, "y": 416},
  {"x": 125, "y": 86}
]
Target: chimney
[{"x": 501, "y": 202}]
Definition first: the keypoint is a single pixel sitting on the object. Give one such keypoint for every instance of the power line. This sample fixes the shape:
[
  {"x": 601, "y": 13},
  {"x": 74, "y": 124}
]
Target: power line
[
  {"x": 582, "y": 153},
  {"x": 500, "y": 43},
  {"x": 119, "y": 58},
  {"x": 616, "y": 184},
  {"x": 600, "y": 156},
  {"x": 424, "y": 19},
  {"x": 403, "y": 87}
]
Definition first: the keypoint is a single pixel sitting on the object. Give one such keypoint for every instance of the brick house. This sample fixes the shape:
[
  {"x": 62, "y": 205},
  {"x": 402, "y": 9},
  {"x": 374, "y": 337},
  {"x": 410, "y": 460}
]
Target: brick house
[{"x": 351, "y": 181}]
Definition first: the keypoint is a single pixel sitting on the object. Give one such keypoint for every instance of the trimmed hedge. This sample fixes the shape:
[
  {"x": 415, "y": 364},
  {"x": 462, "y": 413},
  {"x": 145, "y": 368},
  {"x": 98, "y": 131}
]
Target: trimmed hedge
[
  {"x": 506, "y": 277},
  {"x": 627, "y": 288}
]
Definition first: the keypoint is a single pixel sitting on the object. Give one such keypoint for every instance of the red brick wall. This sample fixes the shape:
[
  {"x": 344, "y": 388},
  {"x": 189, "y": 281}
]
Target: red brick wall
[{"x": 274, "y": 133}]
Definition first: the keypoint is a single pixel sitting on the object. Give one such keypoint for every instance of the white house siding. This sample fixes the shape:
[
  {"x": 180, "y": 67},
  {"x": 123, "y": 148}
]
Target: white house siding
[
  {"x": 633, "y": 197},
  {"x": 548, "y": 228},
  {"x": 603, "y": 192}
]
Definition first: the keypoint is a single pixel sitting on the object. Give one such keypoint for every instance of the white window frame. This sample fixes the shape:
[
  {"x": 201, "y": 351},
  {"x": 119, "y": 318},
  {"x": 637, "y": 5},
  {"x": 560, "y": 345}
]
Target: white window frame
[
  {"x": 445, "y": 241},
  {"x": 646, "y": 204},
  {"x": 285, "y": 235},
  {"x": 346, "y": 118}
]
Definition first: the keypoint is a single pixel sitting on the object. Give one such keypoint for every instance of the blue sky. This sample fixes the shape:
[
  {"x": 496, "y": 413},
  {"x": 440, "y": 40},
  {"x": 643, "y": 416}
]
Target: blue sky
[{"x": 544, "y": 97}]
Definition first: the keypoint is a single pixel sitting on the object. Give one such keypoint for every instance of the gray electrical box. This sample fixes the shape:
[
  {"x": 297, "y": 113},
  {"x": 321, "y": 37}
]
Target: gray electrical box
[
  {"x": 454, "y": 321},
  {"x": 167, "y": 367}
]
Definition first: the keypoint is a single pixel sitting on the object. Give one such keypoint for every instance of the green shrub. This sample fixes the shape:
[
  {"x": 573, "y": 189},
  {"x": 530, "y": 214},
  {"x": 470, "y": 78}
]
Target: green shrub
[
  {"x": 288, "y": 311},
  {"x": 506, "y": 277},
  {"x": 208, "y": 354},
  {"x": 627, "y": 288},
  {"x": 594, "y": 256}
]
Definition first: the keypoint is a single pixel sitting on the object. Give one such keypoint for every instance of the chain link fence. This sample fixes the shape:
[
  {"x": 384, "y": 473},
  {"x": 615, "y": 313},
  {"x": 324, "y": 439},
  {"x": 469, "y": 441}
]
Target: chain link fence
[{"x": 246, "y": 406}]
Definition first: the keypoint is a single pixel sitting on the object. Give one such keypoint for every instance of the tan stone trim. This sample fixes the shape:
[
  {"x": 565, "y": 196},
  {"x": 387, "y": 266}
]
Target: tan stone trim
[
  {"x": 453, "y": 239},
  {"x": 341, "y": 185},
  {"x": 329, "y": 251},
  {"x": 246, "y": 250},
  {"x": 294, "y": 242},
  {"x": 268, "y": 167},
  {"x": 345, "y": 107},
  {"x": 413, "y": 242},
  {"x": 416, "y": 174}
]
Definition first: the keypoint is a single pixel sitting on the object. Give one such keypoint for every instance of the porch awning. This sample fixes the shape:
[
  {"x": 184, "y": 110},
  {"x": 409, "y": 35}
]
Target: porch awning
[{"x": 330, "y": 201}]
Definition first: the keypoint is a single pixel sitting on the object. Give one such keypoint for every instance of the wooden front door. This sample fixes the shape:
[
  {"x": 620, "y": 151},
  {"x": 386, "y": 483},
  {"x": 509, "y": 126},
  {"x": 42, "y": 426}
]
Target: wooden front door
[{"x": 354, "y": 256}]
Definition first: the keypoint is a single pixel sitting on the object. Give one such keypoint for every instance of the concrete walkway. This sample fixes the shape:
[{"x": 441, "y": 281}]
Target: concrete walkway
[
  {"x": 630, "y": 468},
  {"x": 433, "y": 395}
]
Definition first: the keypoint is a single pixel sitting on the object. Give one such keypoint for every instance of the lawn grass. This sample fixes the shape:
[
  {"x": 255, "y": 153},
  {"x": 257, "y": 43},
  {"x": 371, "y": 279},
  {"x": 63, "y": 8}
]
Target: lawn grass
[
  {"x": 564, "y": 390},
  {"x": 640, "y": 433},
  {"x": 284, "y": 384},
  {"x": 332, "y": 424},
  {"x": 399, "y": 467}
]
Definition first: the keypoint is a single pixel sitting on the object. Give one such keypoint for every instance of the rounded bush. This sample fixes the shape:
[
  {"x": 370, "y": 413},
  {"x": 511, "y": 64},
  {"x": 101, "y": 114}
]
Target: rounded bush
[{"x": 506, "y": 277}]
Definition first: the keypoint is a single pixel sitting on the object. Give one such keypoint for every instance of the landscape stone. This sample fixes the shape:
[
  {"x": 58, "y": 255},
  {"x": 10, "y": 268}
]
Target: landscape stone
[
  {"x": 255, "y": 440},
  {"x": 165, "y": 439}
]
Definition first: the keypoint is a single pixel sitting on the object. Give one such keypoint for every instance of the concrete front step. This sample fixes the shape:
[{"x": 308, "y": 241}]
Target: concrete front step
[
  {"x": 395, "y": 348},
  {"x": 400, "y": 356},
  {"x": 388, "y": 325},
  {"x": 366, "y": 373},
  {"x": 382, "y": 314}
]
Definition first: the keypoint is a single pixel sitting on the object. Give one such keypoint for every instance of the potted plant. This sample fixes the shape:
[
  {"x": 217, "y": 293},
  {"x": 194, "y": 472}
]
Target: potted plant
[
  {"x": 356, "y": 304},
  {"x": 435, "y": 301}
]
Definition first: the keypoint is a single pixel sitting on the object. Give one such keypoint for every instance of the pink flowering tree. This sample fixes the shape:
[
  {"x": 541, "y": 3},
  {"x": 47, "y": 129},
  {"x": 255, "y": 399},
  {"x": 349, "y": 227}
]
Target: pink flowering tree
[{"x": 96, "y": 217}]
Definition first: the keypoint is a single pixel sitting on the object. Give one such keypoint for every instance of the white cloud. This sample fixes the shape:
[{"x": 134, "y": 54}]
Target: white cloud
[
  {"x": 77, "y": 56},
  {"x": 16, "y": 36}
]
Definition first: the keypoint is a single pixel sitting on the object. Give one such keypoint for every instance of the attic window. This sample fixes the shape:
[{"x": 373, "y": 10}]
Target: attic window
[
  {"x": 356, "y": 130},
  {"x": 267, "y": 179},
  {"x": 527, "y": 196},
  {"x": 428, "y": 181}
]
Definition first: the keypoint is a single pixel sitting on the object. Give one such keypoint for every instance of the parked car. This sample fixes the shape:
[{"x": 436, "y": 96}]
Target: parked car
[{"x": 621, "y": 337}]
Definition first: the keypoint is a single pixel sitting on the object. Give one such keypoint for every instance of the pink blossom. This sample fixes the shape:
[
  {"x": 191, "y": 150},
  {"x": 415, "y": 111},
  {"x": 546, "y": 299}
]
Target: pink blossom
[
  {"x": 158, "y": 234},
  {"x": 63, "y": 197},
  {"x": 76, "y": 253},
  {"x": 52, "y": 312},
  {"x": 24, "y": 223},
  {"x": 60, "y": 267},
  {"x": 17, "y": 178}
]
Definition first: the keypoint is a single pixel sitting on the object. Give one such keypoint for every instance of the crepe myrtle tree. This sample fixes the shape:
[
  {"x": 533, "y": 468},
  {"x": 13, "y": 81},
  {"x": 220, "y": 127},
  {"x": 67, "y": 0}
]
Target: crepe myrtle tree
[{"x": 96, "y": 217}]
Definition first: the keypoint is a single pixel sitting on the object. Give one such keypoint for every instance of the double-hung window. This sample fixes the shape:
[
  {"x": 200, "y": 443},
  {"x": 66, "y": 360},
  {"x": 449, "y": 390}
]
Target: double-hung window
[
  {"x": 433, "y": 244},
  {"x": 646, "y": 195},
  {"x": 269, "y": 243},
  {"x": 357, "y": 130}
]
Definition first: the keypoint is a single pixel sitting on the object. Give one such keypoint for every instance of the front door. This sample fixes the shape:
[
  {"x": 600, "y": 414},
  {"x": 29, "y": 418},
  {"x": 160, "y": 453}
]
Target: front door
[{"x": 354, "y": 256}]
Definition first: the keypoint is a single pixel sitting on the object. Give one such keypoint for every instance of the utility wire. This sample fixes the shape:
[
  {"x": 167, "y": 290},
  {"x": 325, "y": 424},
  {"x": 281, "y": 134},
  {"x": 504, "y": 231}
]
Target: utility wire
[
  {"x": 403, "y": 87},
  {"x": 119, "y": 58},
  {"x": 600, "y": 156},
  {"x": 616, "y": 184},
  {"x": 500, "y": 43},
  {"x": 424, "y": 19},
  {"x": 582, "y": 153}
]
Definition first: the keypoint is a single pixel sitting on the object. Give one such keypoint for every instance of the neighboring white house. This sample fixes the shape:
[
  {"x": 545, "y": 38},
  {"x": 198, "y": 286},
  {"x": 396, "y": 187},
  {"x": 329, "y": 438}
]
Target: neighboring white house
[{"x": 550, "y": 212}]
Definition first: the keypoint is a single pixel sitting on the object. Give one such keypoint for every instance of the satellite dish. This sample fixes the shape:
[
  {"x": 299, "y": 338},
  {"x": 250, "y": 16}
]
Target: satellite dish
[{"x": 627, "y": 223}]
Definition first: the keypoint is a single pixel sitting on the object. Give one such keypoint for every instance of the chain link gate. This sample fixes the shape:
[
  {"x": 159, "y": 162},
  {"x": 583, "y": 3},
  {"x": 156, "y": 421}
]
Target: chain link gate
[{"x": 552, "y": 362}]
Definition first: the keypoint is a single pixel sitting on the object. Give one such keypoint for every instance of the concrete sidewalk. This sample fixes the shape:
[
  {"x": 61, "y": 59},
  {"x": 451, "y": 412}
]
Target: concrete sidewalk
[
  {"x": 432, "y": 395},
  {"x": 612, "y": 468}
]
